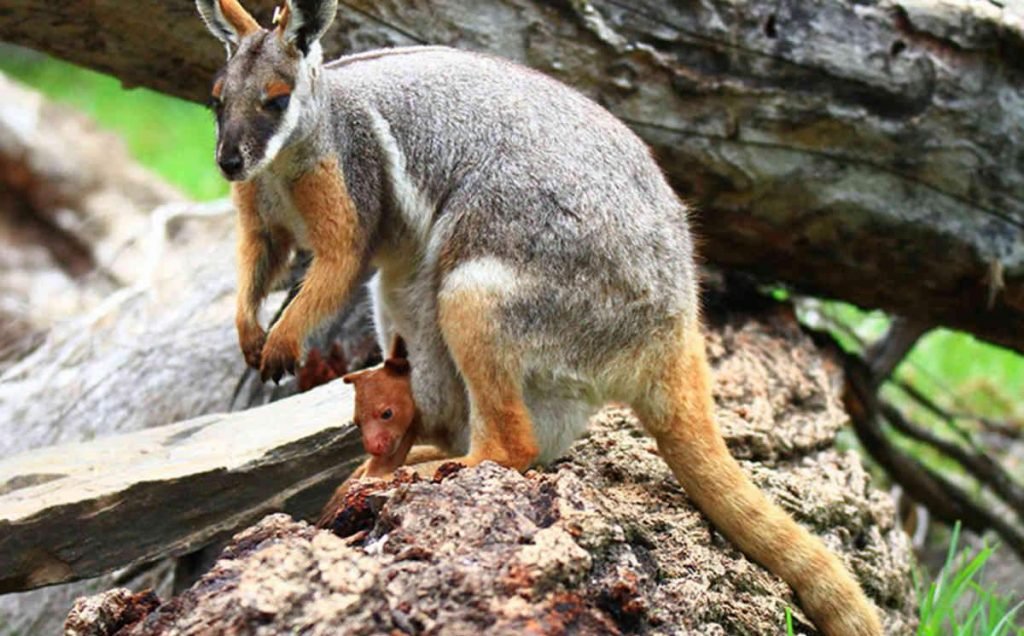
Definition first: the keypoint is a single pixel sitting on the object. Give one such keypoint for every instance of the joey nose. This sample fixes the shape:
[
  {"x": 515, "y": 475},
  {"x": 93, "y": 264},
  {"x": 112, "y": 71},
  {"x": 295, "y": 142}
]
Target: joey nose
[{"x": 230, "y": 165}]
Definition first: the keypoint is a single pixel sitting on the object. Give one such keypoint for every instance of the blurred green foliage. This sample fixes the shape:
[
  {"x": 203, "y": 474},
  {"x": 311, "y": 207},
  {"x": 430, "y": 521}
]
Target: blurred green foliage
[
  {"x": 172, "y": 137},
  {"x": 960, "y": 374}
]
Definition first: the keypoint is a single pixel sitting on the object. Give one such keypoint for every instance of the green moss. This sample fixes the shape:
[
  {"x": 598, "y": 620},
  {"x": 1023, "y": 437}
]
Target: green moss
[{"x": 172, "y": 137}]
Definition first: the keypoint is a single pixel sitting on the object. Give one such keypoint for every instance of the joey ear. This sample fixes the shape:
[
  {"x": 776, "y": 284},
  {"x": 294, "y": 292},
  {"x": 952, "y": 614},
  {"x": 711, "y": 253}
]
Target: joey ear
[
  {"x": 227, "y": 20},
  {"x": 398, "y": 348},
  {"x": 303, "y": 22},
  {"x": 350, "y": 378},
  {"x": 399, "y": 366}
]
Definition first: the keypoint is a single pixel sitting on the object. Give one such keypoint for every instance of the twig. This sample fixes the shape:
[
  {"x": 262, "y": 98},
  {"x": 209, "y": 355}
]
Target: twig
[
  {"x": 944, "y": 499},
  {"x": 885, "y": 355},
  {"x": 978, "y": 464}
]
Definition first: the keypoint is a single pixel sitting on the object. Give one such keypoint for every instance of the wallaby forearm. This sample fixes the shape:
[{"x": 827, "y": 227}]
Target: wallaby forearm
[
  {"x": 338, "y": 243},
  {"x": 261, "y": 256}
]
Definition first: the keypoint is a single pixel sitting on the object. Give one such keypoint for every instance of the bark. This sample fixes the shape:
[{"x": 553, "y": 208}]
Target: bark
[{"x": 865, "y": 151}]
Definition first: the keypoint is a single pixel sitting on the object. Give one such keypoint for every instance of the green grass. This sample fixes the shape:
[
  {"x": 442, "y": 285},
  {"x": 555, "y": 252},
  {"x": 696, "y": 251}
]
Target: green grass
[
  {"x": 957, "y": 603},
  {"x": 172, "y": 137}
]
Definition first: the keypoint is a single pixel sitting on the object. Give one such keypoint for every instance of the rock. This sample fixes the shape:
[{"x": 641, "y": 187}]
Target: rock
[
  {"x": 605, "y": 541},
  {"x": 75, "y": 511}
]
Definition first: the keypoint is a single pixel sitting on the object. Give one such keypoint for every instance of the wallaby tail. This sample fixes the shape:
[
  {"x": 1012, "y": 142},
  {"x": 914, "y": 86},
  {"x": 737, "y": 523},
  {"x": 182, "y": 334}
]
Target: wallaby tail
[{"x": 682, "y": 422}]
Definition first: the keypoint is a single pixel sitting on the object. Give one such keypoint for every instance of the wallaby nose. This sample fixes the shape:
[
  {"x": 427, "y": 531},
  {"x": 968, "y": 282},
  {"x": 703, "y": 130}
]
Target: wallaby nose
[{"x": 231, "y": 165}]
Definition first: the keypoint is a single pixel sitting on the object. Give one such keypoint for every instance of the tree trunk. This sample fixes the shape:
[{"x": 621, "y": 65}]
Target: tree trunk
[{"x": 865, "y": 151}]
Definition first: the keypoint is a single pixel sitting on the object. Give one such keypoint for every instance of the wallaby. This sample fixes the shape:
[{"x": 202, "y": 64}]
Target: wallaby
[
  {"x": 385, "y": 412},
  {"x": 388, "y": 422},
  {"x": 526, "y": 246}
]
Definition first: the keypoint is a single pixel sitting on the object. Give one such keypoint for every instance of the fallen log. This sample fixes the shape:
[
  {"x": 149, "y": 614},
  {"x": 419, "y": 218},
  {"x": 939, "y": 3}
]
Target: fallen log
[
  {"x": 76, "y": 511},
  {"x": 71, "y": 201},
  {"x": 864, "y": 151}
]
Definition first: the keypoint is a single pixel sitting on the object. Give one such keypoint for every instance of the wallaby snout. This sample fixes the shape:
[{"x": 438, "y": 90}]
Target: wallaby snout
[
  {"x": 231, "y": 166},
  {"x": 229, "y": 158},
  {"x": 240, "y": 145}
]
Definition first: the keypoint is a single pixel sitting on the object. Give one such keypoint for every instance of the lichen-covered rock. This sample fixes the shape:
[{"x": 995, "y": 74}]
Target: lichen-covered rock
[{"x": 604, "y": 541}]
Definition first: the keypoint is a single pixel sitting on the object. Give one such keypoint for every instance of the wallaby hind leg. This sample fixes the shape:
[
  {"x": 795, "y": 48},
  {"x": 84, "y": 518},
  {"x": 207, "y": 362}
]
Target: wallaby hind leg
[
  {"x": 679, "y": 413},
  {"x": 500, "y": 425}
]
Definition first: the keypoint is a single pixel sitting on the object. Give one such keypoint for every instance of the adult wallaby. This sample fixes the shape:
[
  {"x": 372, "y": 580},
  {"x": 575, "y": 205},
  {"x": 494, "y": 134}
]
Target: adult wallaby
[{"x": 527, "y": 248}]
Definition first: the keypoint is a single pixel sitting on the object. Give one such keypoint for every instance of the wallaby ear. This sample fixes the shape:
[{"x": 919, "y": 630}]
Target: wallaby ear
[
  {"x": 303, "y": 22},
  {"x": 398, "y": 366},
  {"x": 227, "y": 20}
]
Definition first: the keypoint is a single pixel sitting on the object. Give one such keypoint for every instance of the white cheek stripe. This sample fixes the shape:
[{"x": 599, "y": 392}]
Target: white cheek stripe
[
  {"x": 278, "y": 139},
  {"x": 290, "y": 121}
]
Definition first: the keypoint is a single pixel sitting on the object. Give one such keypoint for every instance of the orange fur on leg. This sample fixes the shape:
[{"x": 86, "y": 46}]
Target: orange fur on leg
[
  {"x": 681, "y": 419},
  {"x": 262, "y": 254},
  {"x": 338, "y": 243},
  {"x": 501, "y": 429}
]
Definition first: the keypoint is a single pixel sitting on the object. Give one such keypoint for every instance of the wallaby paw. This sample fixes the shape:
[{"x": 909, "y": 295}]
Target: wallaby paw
[
  {"x": 251, "y": 339},
  {"x": 280, "y": 356}
]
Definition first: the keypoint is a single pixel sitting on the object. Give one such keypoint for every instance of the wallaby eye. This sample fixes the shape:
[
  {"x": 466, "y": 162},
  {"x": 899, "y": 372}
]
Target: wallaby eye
[
  {"x": 277, "y": 104},
  {"x": 387, "y": 414},
  {"x": 215, "y": 103}
]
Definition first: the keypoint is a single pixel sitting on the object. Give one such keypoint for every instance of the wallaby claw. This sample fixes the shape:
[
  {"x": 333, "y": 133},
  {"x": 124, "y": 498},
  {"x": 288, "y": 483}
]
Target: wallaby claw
[{"x": 279, "y": 356}]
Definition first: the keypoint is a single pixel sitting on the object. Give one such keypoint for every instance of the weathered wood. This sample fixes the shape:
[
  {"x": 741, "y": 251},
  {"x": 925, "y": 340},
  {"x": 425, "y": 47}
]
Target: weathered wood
[
  {"x": 71, "y": 201},
  {"x": 69, "y": 512},
  {"x": 867, "y": 151}
]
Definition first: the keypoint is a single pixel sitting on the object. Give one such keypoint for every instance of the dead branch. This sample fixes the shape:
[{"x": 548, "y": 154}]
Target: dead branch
[{"x": 944, "y": 499}]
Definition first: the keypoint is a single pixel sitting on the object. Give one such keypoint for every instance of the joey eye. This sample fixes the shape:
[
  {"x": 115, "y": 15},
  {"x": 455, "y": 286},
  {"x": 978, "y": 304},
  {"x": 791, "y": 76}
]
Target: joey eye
[
  {"x": 277, "y": 104},
  {"x": 215, "y": 104},
  {"x": 387, "y": 414}
]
